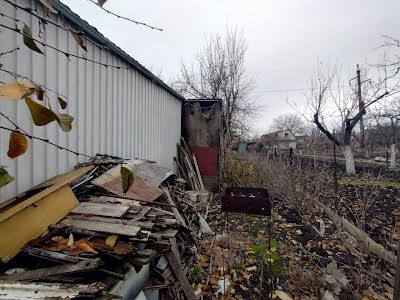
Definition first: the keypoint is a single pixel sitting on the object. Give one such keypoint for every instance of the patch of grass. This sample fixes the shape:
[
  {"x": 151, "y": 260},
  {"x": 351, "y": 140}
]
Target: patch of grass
[
  {"x": 261, "y": 251},
  {"x": 369, "y": 183},
  {"x": 197, "y": 274},
  {"x": 239, "y": 266}
]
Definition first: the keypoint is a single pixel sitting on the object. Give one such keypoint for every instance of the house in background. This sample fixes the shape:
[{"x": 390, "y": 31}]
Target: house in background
[{"x": 281, "y": 140}]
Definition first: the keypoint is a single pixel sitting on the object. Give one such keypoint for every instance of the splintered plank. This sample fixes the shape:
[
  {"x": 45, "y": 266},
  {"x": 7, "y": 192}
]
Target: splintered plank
[
  {"x": 98, "y": 209},
  {"x": 176, "y": 267},
  {"x": 146, "y": 225},
  {"x": 122, "y": 229},
  {"x": 178, "y": 216},
  {"x": 62, "y": 270}
]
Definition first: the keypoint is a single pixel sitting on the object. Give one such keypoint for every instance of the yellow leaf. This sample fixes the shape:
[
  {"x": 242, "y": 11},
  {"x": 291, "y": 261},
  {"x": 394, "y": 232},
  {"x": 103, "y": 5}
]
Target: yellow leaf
[
  {"x": 282, "y": 295},
  {"x": 18, "y": 144},
  {"x": 127, "y": 178},
  {"x": 28, "y": 40},
  {"x": 111, "y": 240},
  {"x": 49, "y": 6},
  {"x": 85, "y": 247},
  {"x": 65, "y": 121},
  {"x": 70, "y": 240},
  {"x": 41, "y": 115},
  {"x": 16, "y": 90},
  {"x": 5, "y": 178},
  {"x": 57, "y": 238}
]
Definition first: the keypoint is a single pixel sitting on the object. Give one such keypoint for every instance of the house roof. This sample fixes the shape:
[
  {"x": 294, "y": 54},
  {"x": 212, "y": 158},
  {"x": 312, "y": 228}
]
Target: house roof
[
  {"x": 274, "y": 137},
  {"x": 96, "y": 36}
]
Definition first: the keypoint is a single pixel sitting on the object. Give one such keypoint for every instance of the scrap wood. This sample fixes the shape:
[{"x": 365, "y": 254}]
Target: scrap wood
[
  {"x": 176, "y": 267},
  {"x": 140, "y": 200},
  {"x": 122, "y": 229},
  {"x": 29, "y": 290},
  {"x": 65, "y": 269},
  {"x": 99, "y": 209},
  {"x": 361, "y": 236},
  {"x": 140, "y": 189},
  {"x": 15, "y": 205},
  {"x": 51, "y": 255},
  {"x": 145, "y": 225},
  {"x": 32, "y": 221},
  {"x": 174, "y": 209}
]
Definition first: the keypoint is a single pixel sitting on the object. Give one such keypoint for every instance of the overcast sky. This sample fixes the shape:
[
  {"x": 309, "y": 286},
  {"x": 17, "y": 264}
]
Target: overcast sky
[{"x": 286, "y": 38}]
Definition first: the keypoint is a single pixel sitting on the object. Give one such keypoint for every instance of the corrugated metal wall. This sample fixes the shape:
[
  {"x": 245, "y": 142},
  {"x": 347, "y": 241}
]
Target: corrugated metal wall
[{"x": 118, "y": 112}]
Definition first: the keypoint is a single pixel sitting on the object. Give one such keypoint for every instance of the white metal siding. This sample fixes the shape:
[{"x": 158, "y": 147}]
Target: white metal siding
[{"x": 117, "y": 112}]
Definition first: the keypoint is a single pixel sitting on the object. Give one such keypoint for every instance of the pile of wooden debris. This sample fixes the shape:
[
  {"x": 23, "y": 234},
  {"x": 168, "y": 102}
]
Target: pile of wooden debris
[{"x": 78, "y": 235}]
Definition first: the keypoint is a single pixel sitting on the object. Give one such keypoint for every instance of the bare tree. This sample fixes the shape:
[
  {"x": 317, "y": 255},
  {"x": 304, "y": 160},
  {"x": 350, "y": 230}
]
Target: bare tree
[
  {"x": 330, "y": 100},
  {"x": 219, "y": 72},
  {"x": 387, "y": 121},
  {"x": 289, "y": 121}
]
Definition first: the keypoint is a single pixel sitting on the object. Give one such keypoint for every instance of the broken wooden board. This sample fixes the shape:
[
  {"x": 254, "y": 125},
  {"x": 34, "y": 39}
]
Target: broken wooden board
[
  {"x": 51, "y": 255},
  {"x": 115, "y": 201},
  {"x": 145, "y": 225},
  {"x": 122, "y": 229},
  {"x": 32, "y": 221},
  {"x": 40, "y": 291},
  {"x": 98, "y": 209},
  {"x": 65, "y": 269},
  {"x": 140, "y": 189},
  {"x": 174, "y": 209},
  {"x": 13, "y": 206},
  {"x": 176, "y": 267}
]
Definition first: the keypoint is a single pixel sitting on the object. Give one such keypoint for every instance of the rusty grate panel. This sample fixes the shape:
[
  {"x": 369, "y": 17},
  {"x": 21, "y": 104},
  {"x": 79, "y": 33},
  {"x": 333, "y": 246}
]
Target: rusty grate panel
[{"x": 253, "y": 201}]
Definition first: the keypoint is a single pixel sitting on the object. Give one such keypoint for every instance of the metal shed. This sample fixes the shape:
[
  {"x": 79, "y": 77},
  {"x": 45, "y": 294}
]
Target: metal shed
[{"x": 126, "y": 112}]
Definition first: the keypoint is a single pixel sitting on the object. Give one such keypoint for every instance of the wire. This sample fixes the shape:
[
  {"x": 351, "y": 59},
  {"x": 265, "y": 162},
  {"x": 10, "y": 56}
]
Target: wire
[
  {"x": 10, "y": 51},
  {"x": 19, "y": 129},
  {"x": 125, "y": 18},
  {"x": 67, "y": 54},
  {"x": 30, "y": 80}
]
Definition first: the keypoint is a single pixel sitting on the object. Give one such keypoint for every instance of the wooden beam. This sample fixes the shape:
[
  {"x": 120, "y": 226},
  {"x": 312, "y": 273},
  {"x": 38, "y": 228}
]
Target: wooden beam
[
  {"x": 61, "y": 270},
  {"x": 176, "y": 267},
  {"x": 98, "y": 209},
  {"x": 174, "y": 209}
]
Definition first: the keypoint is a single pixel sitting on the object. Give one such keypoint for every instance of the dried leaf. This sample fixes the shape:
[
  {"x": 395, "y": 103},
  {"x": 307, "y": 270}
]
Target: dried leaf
[
  {"x": 16, "y": 90},
  {"x": 41, "y": 115},
  {"x": 127, "y": 178},
  {"x": 79, "y": 39},
  {"x": 59, "y": 247},
  {"x": 101, "y": 2},
  {"x": 18, "y": 144},
  {"x": 65, "y": 121},
  {"x": 62, "y": 102},
  {"x": 49, "y": 6},
  {"x": 28, "y": 40},
  {"x": 39, "y": 92},
  {"x": 111, "y": 240},
  {"x": 282, "y": 295},
  {"x": 85, "y": 247},
  {"x": 244, "y": 288},
  {"x": 70, "y": 240},
  {"x": 57, "y": 238},
  {"x": 5, "y": 178}
]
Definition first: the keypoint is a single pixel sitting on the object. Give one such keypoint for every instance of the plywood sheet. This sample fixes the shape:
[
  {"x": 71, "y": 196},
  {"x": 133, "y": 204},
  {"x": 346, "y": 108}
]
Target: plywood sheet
[
  {"x": 15, "y": 205},
  {"x": 32, "y": 221},
  {"x": 98, "y": 209},
  {"x": 140, "y": 190}
]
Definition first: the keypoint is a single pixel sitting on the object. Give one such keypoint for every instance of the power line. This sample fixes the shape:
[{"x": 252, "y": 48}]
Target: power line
[
  {"x": 67, "y": 54},
  {"x": 125, "y": 18}
]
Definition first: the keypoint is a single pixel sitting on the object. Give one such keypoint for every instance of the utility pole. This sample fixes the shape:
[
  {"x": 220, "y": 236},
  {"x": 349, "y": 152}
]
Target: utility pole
[{"x": 360, "y": 107}]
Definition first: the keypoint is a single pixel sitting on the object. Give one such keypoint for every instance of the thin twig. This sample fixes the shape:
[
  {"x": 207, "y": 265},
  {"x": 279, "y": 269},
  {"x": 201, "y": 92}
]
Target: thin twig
[{"x": 10, "y": 51}]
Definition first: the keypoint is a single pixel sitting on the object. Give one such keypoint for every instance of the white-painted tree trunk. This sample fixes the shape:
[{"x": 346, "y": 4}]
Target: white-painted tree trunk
[
  {"x": 392, "y": 150},
  {"x": 349, "y": 158}
]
